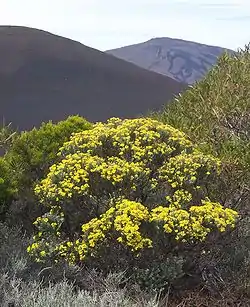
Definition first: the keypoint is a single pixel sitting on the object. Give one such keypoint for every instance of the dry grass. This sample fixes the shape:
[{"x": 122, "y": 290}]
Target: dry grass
[{"x": 25, "y": 284}]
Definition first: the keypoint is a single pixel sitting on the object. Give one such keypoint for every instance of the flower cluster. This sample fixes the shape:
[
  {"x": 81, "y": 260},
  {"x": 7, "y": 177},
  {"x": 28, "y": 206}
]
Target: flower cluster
[
  {"x": 195, "y": 223},
  {"x": 125, "y": 175},
  {"x": 49, "y": 232},
  {"x": 129, "y": 216},
  {"x": 185, "y": 169}
]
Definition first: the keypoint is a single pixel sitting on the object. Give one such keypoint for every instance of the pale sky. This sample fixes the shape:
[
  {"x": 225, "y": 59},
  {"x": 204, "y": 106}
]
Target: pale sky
[{"x": 112, "y": 23}]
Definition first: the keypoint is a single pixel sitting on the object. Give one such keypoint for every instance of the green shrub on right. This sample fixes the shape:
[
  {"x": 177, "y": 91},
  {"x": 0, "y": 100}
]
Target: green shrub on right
[{"x": 215, "y": 114}]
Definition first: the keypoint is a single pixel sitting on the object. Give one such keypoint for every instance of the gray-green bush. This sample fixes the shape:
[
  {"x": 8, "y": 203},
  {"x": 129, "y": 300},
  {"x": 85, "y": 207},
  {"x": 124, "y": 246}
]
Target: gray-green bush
[
  {"x": 215, "y": 114},
  {"x": 25, "y": 284}
]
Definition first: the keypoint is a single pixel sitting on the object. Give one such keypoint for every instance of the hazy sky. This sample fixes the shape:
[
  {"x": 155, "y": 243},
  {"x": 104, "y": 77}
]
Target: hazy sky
[{"x": 112, "y": 23}]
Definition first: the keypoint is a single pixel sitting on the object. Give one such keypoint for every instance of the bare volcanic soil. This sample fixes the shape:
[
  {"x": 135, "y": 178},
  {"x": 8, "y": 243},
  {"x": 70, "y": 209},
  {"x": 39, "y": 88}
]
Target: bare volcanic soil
[{"x": 47, "y": 77}]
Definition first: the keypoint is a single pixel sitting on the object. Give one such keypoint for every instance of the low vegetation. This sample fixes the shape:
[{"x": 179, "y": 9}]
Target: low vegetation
[
  {"x": 127, "y": 186},
  {"x": 138, "y": 212},
  {"x": 28, "y": 158},
  {"x": 215, "y": 114}
]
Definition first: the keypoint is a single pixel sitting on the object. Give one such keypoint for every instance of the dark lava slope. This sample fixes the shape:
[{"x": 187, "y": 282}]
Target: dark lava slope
[{"x": 47, "y": 77}]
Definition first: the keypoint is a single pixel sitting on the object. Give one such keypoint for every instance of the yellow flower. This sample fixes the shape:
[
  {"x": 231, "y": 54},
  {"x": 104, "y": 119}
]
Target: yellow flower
[{"x": 117, "y": 173}]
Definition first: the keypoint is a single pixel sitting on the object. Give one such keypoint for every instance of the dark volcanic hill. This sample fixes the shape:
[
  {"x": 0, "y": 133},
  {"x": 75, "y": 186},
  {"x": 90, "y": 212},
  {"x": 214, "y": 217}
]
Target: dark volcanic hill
[
  {"x": 181, "y": 60},
  {"x": 47, "y": 77}
]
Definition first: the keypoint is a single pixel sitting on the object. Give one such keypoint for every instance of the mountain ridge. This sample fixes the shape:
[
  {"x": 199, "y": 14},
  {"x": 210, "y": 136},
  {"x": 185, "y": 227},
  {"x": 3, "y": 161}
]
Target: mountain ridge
[{"x": 185, "y": 61}]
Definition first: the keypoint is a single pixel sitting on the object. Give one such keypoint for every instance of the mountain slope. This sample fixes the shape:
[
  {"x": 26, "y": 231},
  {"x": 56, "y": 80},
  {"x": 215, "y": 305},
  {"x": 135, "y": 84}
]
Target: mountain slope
[
  {"x": 47, "y": 77},
  {"x": 181, "y": 60}
]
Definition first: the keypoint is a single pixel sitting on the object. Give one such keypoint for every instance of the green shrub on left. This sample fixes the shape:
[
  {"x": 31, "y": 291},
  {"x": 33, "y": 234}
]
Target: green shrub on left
[
  {"x": 7, "y": 189},
  {"x": 30, "y": 156},
  {"x": 32, "y": 152}
]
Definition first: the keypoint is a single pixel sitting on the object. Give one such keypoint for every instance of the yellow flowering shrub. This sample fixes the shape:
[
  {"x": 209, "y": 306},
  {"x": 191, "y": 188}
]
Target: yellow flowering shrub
[
  {"x": 196, "y": 222},
  {"x": 120, "y": 184}
]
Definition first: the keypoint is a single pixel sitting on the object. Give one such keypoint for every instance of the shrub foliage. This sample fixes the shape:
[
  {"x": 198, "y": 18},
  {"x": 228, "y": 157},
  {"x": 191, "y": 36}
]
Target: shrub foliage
[
  {"x": 126, "y": 183},
  {"x": 32, "y": 152},
  {"x": 26, "y": 161},
  {"x": 7, "y": 189},
  {"x": 215, "y": 114}
]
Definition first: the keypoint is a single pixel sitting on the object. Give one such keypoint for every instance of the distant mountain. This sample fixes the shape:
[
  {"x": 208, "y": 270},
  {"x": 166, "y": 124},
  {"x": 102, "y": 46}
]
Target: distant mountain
[
  {"x": 181, "y": 60},
  {"x": 47, "y": 77}
]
